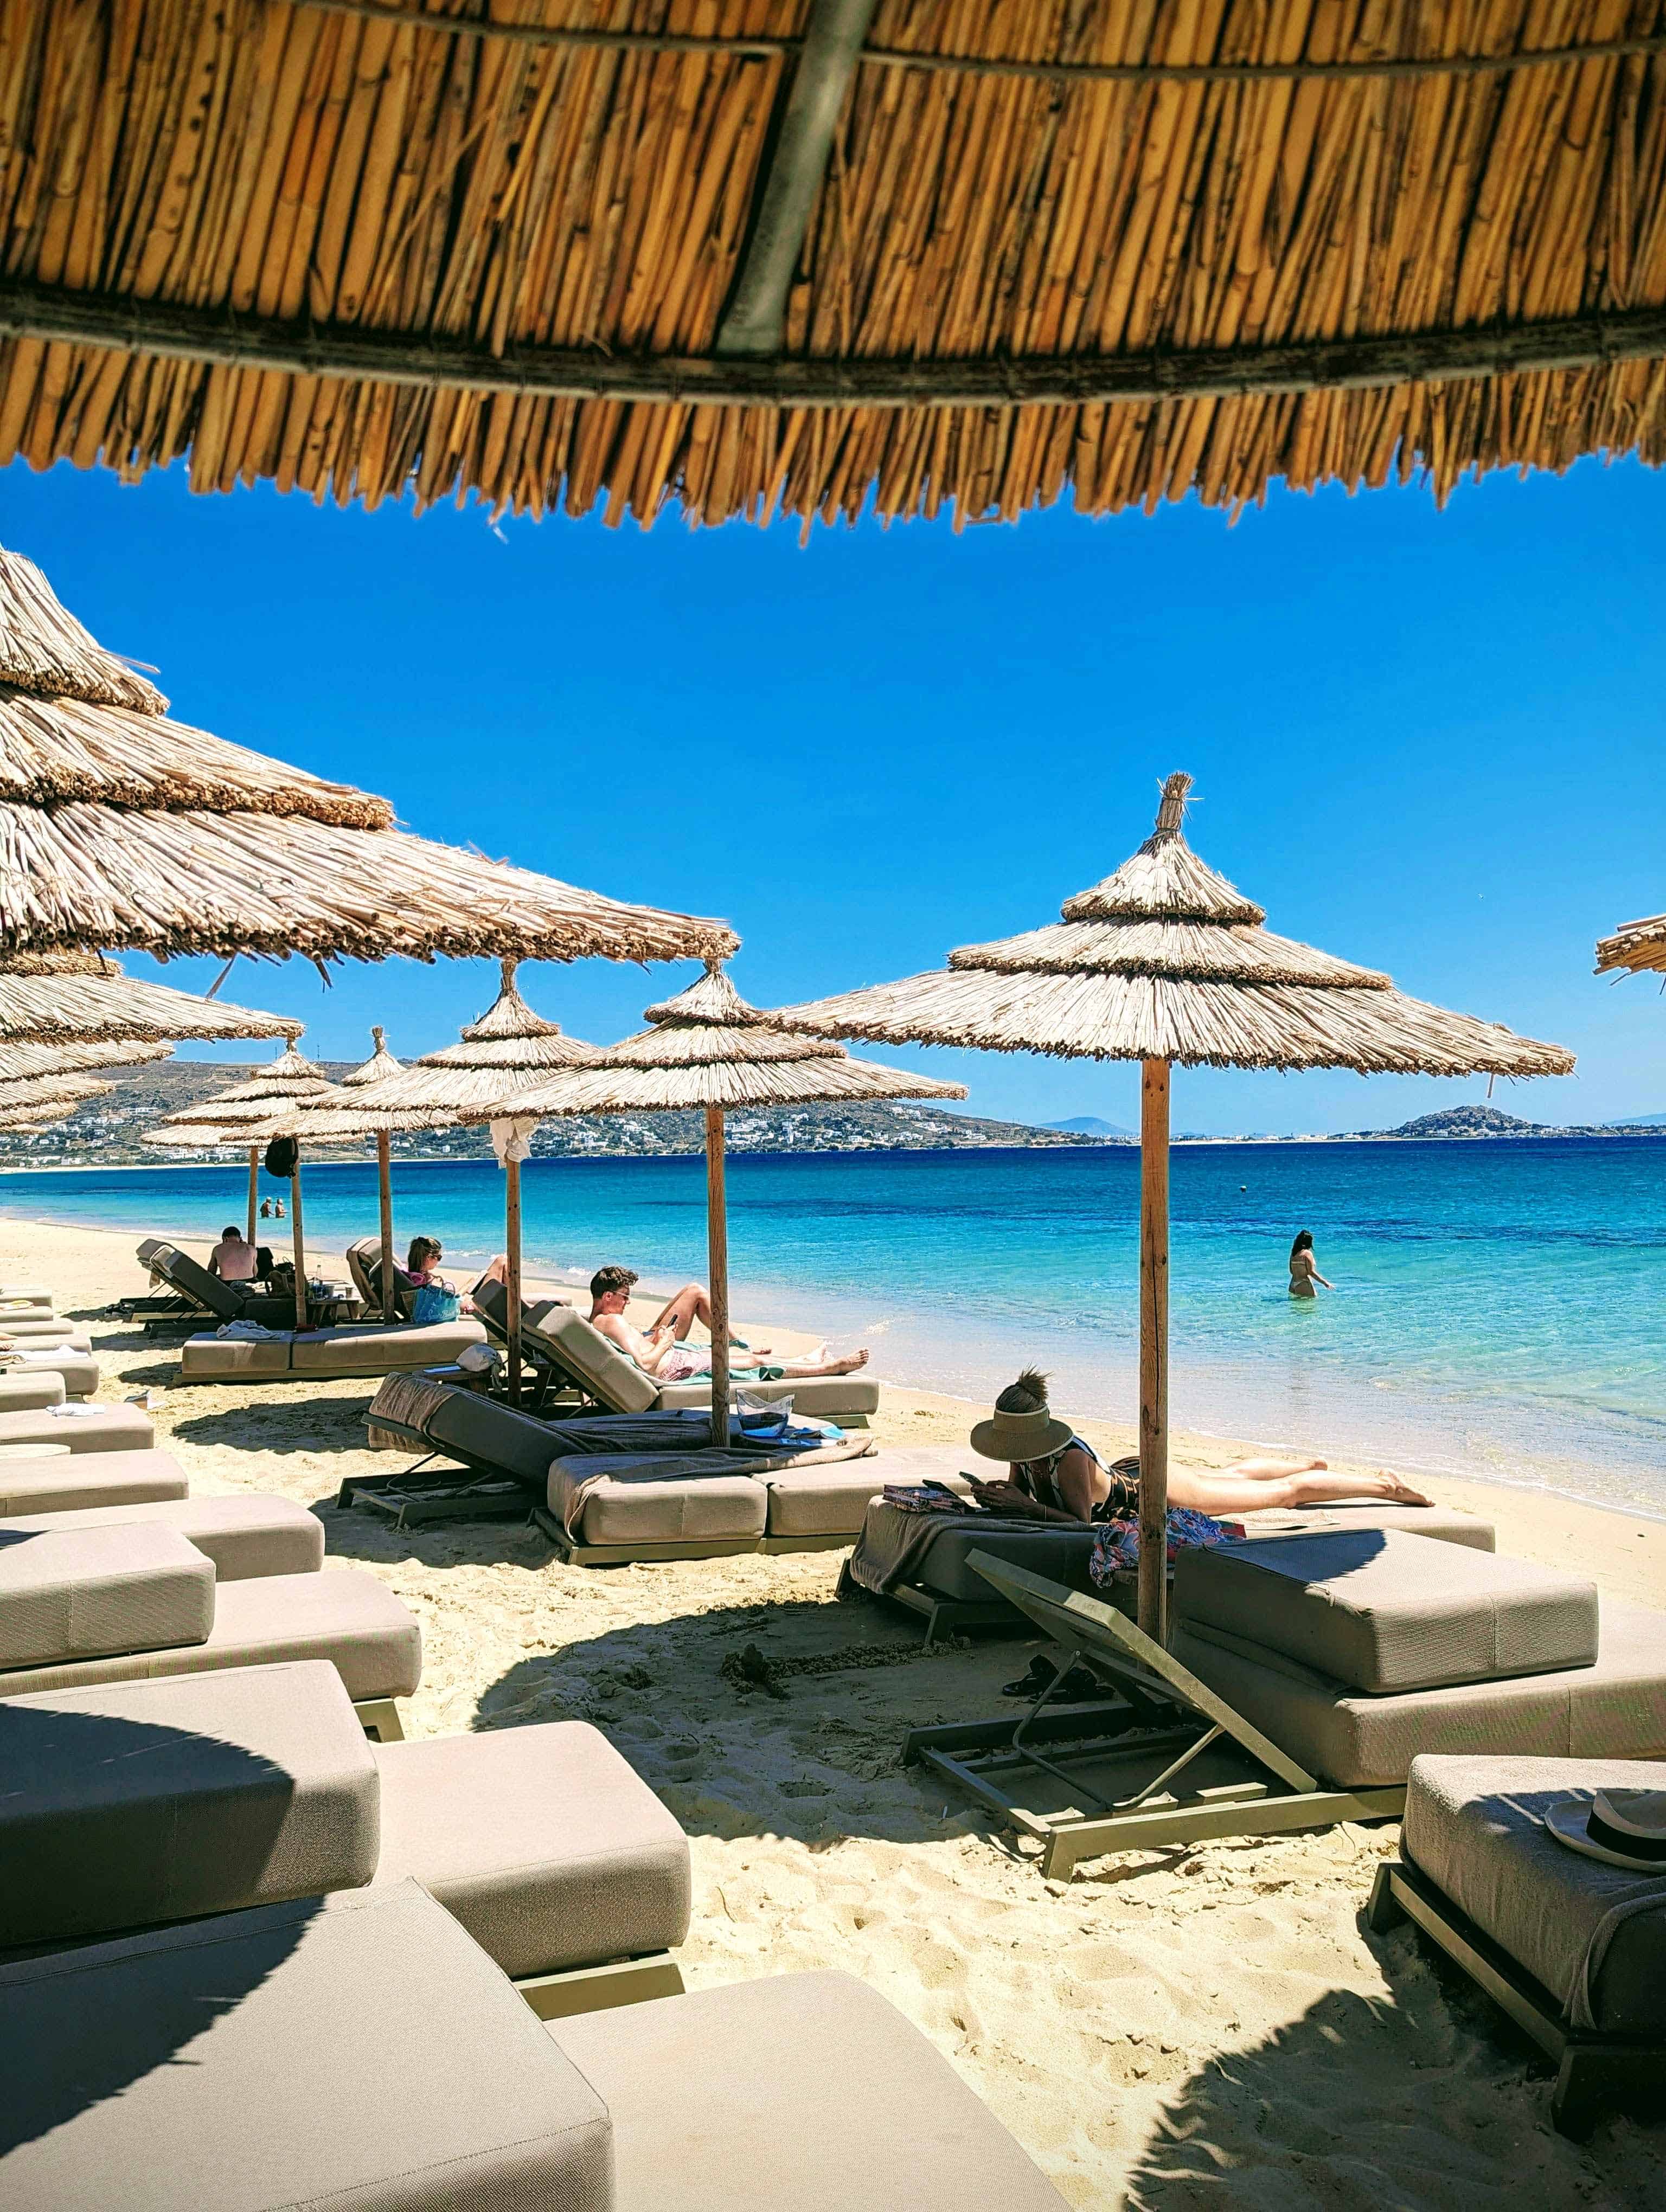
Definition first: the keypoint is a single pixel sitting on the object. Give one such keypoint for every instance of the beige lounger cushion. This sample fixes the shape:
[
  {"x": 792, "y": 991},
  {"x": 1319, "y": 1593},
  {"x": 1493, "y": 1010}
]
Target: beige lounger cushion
[
  {"x": 134, "y": 1802},
  {"x": 78, "y": 1370},
  {"x": 1476, "y": 1827},
  {"x": 355, "y": 1349},
  {"x": 75, "y": 1594},
  {"x": 363, "y": 2055},
  {"x": 544, "y": 1844},
  {"x": 795, "y": 2093},
  {"x": 616, "y": 1381},
  {"x": 668, "y": 1509},
  {"x": 1613, "y": 1709},
  {"x": 38, "y": 1333},
  {"x": 823, "y": 1501},
  {"x": 29, "y": 1389},
  {"x": 243, "y": 1536},
  {"x": 25, "y": 1294},
  {"x": 82, "y": 1428},
  {"x": 345, "y": 1615},
  {"x": 65, "y": 1480},
  {"x": 825, "y": 1396},
  {"x": 1384, "y": 1612}
]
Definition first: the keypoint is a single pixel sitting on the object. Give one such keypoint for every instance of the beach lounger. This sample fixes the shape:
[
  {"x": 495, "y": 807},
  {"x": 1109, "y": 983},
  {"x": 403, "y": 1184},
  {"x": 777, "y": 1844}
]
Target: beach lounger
[
  {"x": 32, "y": 1481},
  {"x": 358, "y": 1348},
  {"x": 195, "y": 1290},
  {"x": 1572, "y": 1949},
  {"x": 26, "y": 1296},
  {"x": 83, "y": 1427},
  {"x": 1306, "y": 1674},
  {"x": 244, "y": 1536},
  {"x": 366, "y": 2052},
  {"x": 260, "y": 1785},
  {"x": 31, "y": 1389},
  {"x": 922, "y": 1561},
  {"x": 41, "y": 1332},
  {"x": 364, "y": 1265},
  {"x": 78, "y": 1370},
  {"x": 119, "y": 1604},
  {"x": 564, "y": 1343}
]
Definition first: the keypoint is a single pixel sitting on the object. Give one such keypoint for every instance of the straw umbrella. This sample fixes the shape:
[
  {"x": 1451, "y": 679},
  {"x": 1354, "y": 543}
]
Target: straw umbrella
[
  {"x": 20, "y": 1060},
  {"x": 1636, "y": 948},
  {"x": 119, "y": 827},
  {"x": 708, "y": 1048},
  {"x": 1165, "y": 961},
  {"x": 83, "y": 998},
  {"x": 34, "y": 1092},
  {"x": 235, "y": 1117},
  {"x": 507, "y": 1049}
]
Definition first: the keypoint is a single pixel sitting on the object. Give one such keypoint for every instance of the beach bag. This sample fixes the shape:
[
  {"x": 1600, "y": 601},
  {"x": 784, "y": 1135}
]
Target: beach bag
[
  {"x": 433, "y": 1302},
  {"x": 762, "y": 1419},
  {"x": 280, "y": 1157}
]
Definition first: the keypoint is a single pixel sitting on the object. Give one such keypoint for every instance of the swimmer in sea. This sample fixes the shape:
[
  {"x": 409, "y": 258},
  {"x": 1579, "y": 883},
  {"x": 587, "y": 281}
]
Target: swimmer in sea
[{"x": 1303, "y": 1268}]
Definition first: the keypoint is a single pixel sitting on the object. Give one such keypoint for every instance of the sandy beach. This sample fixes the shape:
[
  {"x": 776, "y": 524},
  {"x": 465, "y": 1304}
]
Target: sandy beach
[{"x": 1194, "y": 2028}]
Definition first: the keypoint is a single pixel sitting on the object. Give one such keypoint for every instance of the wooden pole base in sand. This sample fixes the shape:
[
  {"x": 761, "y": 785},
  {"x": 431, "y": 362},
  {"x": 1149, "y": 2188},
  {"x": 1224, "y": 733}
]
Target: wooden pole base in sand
[
  {"x": 717, "y": 1273},
  {"x": 385, "y": 1195},
  {"x": 1154, "y": 1348}
]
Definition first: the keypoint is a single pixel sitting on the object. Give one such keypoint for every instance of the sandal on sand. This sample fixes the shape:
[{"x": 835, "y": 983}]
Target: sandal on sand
[{"x": 1079, "y": 1686}]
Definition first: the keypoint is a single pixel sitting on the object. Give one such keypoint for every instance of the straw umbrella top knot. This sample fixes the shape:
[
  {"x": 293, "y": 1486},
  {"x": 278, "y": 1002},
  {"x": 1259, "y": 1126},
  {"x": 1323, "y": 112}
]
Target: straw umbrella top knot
[
  {"x": 45, "y": 650},
  {"x": 1165, "y": 880},
  {"x": 381, "y": 1064}
]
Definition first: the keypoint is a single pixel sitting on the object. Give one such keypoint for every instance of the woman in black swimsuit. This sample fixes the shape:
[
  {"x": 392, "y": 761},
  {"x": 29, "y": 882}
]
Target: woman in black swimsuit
[{"x": 1056, "y": 1476}]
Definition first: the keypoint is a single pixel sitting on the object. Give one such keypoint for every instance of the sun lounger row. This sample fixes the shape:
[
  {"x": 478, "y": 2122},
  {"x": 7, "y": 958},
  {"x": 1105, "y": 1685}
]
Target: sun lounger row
[
  {"x": 189, "y": 1289},
  {"x": 79, "y": 1428},
  {"x": 355, "y": 1348},
  {"x": 1306, "y": 1674}
]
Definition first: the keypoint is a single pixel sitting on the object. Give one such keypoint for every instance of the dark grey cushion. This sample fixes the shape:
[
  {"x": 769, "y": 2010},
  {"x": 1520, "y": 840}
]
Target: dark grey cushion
[
  {"x": 1476, "y": 1827},
  {"x": 132, "y": 1802},
  {"x": 363, "y": 2055},
  {"x": 84, "y": 1592},
  {"x": 1383, "y": 1611}
]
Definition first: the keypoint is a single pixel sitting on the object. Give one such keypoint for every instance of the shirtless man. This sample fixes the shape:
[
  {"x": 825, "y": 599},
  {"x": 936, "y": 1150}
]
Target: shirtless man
[
  {"x": 660, "y": 1350},
  {"x": 233, "y": 1258}
]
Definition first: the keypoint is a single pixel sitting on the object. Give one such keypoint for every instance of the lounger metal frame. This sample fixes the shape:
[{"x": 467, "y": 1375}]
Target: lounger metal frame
[
  {"x": 600, "y": 1988},
  {"x": 379, "y": 1719},
  {"x": 1157, "y": 1720},
  {"x": 1591, "y": 2070},
  {"x": 943, "y": 1616},
  {"x": 426, "y": 1492}
]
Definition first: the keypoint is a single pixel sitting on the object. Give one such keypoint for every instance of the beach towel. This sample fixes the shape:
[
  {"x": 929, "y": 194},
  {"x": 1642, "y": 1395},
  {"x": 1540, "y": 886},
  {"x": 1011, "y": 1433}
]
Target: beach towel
[
  {"x": 410, "y": 1399},
  {"x": 1116, "y": 1544},
  {"x": 895, "y": 1539}
]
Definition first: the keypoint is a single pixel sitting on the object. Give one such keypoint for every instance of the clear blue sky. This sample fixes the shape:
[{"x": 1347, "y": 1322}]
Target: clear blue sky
[{"x": 1429, "y": 742}]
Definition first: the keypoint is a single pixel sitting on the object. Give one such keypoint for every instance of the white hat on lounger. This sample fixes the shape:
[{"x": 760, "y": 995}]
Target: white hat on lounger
[{"x": 1624, "y": 1828}]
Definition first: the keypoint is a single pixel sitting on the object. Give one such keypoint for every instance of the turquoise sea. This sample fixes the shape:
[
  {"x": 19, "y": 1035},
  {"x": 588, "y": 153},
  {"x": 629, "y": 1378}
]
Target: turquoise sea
[{"x": 1498, "y": 1309}]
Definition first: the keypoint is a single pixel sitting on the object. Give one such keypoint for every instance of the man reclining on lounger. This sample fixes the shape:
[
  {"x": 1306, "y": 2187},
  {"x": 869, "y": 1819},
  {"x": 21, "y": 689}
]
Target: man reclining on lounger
[
  {"x": 1054, "y": 1474},
  {"x": 660, "y": 1351}
]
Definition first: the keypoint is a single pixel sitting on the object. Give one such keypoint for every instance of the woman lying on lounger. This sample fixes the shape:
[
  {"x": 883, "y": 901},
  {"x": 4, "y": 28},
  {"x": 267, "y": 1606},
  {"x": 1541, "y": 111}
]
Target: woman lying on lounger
[
  {"x": 660, "y": 1351},
  {"x": 1056, "y": 1476}
]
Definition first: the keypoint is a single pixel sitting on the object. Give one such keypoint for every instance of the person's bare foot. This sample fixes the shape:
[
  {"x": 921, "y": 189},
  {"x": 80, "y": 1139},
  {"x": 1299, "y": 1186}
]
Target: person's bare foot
[
  {"x": 850, "y": 1364},
  {"x": 1401, "y": 1491}
]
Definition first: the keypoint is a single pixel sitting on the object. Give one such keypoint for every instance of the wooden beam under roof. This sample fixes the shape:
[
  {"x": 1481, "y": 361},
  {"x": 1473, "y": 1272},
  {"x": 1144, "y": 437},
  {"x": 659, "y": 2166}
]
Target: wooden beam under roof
[
  {"x": 755, "y": 321},
  {"x": 428, "y": 362}
]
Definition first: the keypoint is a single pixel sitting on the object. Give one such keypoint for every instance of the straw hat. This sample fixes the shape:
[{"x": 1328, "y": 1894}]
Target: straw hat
[
  {"x": 1017, "y": 1437},
  {"x": 1623, "y": 1828}
]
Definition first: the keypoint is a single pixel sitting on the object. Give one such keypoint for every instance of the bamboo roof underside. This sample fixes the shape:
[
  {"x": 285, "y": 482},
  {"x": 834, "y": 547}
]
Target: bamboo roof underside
[
  {"x": 509, "y": 1048},
  {"x": 81, "y": 998},
  {"x": 1121, "y": 253},
  {"x": 1636, "y": 948},
  {"x": 20, "y": 1061},
  {"x": 1166, "y": 960},
  {"x": 706, "y": 1046},
  {"x": 119, "y": 827},
  {"x": 44, "y": 1092}
]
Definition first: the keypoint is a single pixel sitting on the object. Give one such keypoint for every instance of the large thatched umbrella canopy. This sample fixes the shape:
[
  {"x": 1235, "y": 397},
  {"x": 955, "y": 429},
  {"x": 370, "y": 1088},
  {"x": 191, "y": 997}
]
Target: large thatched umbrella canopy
[
  {"x": 18, "y": 1061},
  {"x": 708, "y": 1048},
  {"x": 1163, "y": 962},
  {"x": 84, "y": 998},
  {"x": 236, "y": 1117},
  {"x": 507, "y": 1049},
  {"x": 1636, "y": 948},
  {"x": 825, "y": 252},
  {"x": 119, "y": 827},
  {"x": 34, "y": 1094}
]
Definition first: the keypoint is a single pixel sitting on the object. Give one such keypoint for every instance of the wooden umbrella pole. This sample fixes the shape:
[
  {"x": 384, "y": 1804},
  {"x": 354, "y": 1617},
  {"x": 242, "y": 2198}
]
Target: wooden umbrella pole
[
  {"x": 1154, "y": 1347},
  {"x": 717, "y": 1266},
  {"x": 385, "y": 1195},
  {"x": 254, "y": 1189},
  {"x": 512, "y": 1272},
  {"x": 300, "y": 1245}
]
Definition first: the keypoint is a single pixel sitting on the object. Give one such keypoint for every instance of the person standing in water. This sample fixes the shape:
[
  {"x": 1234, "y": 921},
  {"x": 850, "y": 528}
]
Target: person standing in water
[{"x": 1304, "y": 1267}]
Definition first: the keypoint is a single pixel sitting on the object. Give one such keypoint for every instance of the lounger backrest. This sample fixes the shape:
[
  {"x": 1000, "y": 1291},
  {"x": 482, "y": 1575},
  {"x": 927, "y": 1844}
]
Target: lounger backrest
[
  {"x": 482, "y": 1432},
  {"x": 194, "y": 1281},
  {"x": 364, "y": 1266},
  {"x": 585, "y": 1353}
]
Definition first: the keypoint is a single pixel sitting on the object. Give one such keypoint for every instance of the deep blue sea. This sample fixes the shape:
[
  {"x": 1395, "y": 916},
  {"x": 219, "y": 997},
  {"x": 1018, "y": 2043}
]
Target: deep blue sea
[{"x": 1497, "y": 1307}]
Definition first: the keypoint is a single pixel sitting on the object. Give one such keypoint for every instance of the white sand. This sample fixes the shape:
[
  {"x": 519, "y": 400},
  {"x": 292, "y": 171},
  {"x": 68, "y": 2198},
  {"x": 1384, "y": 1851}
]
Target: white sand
[{"x": 1194, "y": 2028}]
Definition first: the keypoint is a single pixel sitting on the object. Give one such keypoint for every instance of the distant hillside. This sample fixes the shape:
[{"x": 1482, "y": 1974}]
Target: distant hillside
[
  {"x": 1470, "y": 1121},
  {"x": 107, "y": 1131},
  {"x": 1641, "y": 1121},
  {"x": 1090, "y": 1124}
]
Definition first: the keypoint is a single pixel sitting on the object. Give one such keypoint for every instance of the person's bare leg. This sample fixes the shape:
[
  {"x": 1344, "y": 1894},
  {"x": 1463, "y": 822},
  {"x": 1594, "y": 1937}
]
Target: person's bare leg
[
  {"x": 1275, "y": 1470},
  {"x": 1229, "y": 1490},
  {"x": 690, "y": 1304},
  {"x": 498, "y": 1272},
  {"x": 805, "y": 1371}
]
